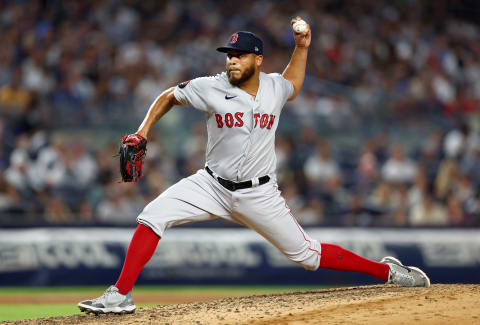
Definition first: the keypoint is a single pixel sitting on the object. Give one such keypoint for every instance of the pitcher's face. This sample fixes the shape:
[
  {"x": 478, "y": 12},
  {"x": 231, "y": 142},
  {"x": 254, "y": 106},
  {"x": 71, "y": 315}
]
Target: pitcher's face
[{"x": 241, "y": 66}]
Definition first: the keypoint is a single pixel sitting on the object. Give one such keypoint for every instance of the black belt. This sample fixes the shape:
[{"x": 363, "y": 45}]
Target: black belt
[{"x": 232, "y": 186}]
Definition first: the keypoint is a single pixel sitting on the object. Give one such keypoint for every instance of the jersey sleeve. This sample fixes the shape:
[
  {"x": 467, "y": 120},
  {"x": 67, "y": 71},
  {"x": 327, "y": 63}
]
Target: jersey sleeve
[
  {"x": 285, "y": 87},
  {"x": 193, "y": 93}
]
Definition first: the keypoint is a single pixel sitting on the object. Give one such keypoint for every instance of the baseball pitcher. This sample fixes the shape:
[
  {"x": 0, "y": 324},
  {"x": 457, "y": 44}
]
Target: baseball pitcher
[{"x": 238, "y": 183}]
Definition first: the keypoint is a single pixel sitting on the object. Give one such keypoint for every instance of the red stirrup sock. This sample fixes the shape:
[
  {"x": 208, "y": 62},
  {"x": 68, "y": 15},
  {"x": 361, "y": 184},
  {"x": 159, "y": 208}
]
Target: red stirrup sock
[
  {"x": 337, "y": 258},
  {"x": 141, "y": 249}
]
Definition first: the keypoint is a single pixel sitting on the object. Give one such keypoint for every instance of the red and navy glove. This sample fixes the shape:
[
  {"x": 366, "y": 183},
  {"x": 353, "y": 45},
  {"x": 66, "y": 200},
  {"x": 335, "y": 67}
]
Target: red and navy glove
[{"x": 132, "y": 152}]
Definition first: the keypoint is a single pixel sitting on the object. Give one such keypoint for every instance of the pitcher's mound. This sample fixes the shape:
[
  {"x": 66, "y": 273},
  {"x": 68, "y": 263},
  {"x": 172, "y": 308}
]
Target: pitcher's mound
[{"x": 439, "y": 304}]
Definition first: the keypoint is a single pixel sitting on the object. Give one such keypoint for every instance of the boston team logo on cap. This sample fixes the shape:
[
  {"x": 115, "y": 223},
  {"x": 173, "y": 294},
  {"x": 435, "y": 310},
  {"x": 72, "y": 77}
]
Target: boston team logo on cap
[{"x": 245, "y": 42}]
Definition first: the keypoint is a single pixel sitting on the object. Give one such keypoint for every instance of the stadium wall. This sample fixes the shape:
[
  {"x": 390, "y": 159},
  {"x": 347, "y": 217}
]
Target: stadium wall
[{"x": 94, "y": 256}]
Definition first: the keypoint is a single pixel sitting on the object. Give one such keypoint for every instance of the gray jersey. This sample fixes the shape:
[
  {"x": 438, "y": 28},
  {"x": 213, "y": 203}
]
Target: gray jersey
[
  {"x": 241, "y": 129},
  {"x": 241, "y": 140}
]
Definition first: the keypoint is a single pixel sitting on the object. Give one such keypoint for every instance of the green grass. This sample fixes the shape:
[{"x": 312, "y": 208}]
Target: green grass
[
  {"x": 11, "y": 312},
  {"x": 29, "y": 311},
  {"x": 19, "y": 312}
]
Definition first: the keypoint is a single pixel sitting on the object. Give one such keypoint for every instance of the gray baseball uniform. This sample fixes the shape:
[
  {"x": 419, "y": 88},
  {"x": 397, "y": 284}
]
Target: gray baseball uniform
[{"x": 241, "y": 147}]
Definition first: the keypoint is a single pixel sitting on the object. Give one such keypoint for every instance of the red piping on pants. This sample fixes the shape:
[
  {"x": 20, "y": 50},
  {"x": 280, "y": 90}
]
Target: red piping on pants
[{"x": 298, "y": 226}]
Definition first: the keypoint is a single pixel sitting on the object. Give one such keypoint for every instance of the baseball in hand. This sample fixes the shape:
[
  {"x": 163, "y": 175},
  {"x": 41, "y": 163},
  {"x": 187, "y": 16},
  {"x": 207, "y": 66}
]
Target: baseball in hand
[{"x": 300, "y": 26}]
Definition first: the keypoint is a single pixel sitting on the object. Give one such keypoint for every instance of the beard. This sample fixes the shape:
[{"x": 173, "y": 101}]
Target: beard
[{"x": 247, "y": 74}]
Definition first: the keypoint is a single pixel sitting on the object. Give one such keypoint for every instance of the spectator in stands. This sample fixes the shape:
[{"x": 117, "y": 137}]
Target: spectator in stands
[
  {"x": 456, "y": 216},
  {"x": 431, "y": 155},
  {"x": 14, "y": 98},
  {"x": 367, "y": 173},
  {"x": 4, "y": 151},
  {"x": 155, "y": 183},
  {"x": 399, "y": 169},
  {"x": 311, "y": 214},
  {"x": 358, "y": 213},
  {"x": 115, "y": 208},
  {"x": 321, "y": 167},
  {"x": 472, "y": 211},
  {"x": 399, "y": 199},
  {"x": 333, "y": 194},
  {"x": 418, "y": 190},
  {"x": 34, "y": 74},
  {"x": 56, "y": 211},
  {"x": 100, "y": 66},
  {"x": 304, "y": 147},
  {"x": 461, "y": 142},
  {"x": 380, "y": 147},
  {"x": 470, "y": 165},
  {"x": 446, "y": 178},
  {"x": 85, "y": 213},
  {"x": 10, "y": 202},
  {"x": 80, "y": 163},
  {"x": 19, "y": 174},
  {"x": 50, "y": 167},
  {"x": 464, "y": 190},
  {"x": 4, "y": 199},
  {"x": 428, "y": 213},
  {"x": 293, "y": 199}
]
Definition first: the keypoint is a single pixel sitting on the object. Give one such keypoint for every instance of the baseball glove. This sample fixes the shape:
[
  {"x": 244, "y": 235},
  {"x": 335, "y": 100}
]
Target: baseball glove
[{"x": 132, "y": 152}]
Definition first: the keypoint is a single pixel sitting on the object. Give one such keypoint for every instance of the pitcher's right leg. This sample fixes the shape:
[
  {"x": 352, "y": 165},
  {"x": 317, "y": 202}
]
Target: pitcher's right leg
[
  {"x": 191, "y": 199},
  {"x": 118, "y": 299}
]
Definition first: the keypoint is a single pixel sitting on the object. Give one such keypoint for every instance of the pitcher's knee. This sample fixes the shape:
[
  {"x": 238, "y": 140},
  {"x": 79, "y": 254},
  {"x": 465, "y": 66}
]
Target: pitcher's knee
[
  {"x": 158, "y": 221},
  {"x": 312, "y": 263},
  {"x": 157, "y": 227},
  {"x": 309, "y": 256}
]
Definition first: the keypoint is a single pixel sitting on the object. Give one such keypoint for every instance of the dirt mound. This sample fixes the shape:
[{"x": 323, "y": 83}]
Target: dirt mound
[{"x": 439, "y": 304}]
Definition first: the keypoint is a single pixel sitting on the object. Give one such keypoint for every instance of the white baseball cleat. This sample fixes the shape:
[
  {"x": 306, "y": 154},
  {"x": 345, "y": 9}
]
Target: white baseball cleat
[
  {"x": 406, "y": 276},
  {"x": 111, "y": 302}
]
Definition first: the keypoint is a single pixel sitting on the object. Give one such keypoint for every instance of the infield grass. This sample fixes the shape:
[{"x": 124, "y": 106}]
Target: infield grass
[
  {"x": 12, "y": 308},
  {"x": 29, "y": 311}
]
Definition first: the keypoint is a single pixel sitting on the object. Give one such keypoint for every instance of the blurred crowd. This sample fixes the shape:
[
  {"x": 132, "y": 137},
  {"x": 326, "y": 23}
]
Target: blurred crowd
[
  {"x": 381, "y": 184},
  {"x": 384, "y": 133}
]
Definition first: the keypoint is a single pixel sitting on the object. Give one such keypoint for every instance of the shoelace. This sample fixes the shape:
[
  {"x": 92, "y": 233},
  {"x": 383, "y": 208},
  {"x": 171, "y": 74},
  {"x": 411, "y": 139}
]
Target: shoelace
[{"x": 110, "y": 291}]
